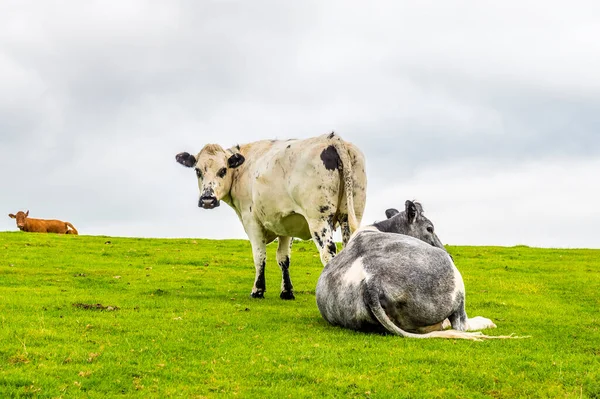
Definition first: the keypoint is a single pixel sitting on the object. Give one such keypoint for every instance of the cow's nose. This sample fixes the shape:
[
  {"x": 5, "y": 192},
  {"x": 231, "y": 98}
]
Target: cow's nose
[{"x": 208, "y": 202}]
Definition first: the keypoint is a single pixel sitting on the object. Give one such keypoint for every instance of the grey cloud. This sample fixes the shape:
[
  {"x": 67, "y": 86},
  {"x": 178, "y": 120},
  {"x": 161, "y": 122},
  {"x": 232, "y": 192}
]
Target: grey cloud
[{"x": 99, "y": 98}]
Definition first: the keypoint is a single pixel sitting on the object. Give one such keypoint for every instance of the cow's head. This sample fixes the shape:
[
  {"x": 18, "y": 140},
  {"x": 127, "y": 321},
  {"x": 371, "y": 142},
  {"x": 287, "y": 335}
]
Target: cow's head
[
  {"x": 213, "y": 167},
  {"x": 20, "y": 216},
  {"x": 412, "y": 222}
]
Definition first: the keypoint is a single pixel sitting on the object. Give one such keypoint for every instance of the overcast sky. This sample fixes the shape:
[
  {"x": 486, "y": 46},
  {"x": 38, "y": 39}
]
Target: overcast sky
[{"x": 487, "y": 112}]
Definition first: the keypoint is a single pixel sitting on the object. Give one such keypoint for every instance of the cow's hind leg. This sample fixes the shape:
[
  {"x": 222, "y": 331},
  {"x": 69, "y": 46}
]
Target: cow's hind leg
[
  {"x": 322, "y": 235},
  {"x": 283, "y": 259}
]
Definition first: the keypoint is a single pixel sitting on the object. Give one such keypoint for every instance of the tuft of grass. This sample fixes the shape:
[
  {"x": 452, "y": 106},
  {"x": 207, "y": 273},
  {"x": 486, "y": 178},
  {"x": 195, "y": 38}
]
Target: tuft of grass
[{"x": 96, "y": 317}]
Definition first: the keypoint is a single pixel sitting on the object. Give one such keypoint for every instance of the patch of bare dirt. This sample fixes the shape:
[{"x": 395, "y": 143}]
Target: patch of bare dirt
[{"x": 95, "y": 306}]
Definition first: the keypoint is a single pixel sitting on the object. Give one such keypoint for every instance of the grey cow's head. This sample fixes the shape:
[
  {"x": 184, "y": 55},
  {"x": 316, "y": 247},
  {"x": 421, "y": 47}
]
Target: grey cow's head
[
  {"x": 410, "y": 222},
  {"x": 213, "y": 168}
]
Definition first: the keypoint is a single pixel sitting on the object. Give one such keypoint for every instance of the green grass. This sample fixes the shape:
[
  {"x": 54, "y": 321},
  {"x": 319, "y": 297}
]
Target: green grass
[{"x": 186, "y": 327}]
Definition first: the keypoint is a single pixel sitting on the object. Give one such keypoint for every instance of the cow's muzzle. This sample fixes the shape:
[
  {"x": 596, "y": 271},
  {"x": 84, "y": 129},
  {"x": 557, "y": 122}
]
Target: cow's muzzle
[{"x": 208, "y": 202}]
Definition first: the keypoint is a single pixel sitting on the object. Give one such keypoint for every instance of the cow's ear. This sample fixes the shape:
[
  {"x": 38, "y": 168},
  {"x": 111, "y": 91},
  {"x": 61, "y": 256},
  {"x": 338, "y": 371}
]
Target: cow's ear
[
  {"x": 411, "y": 211},
  {"x": 235, "y": 160},
  {"x": 27, "y": 213},
  {"x": 12, "y": 216},
  {"x": 391, "y": 212},
  {"x": 186, "y": 159}
]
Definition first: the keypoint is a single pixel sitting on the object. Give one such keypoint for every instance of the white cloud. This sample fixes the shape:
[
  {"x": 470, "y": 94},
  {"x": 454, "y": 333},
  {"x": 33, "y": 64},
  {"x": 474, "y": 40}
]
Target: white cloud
[
  {"x": 466, "y": 105},
  {"x": 547, "y": 202}
]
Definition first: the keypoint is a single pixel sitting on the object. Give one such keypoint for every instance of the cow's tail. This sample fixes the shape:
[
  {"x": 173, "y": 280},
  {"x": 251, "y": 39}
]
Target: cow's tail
[
  {"x": 372, "y": 294},
  {"x": 73, "y": 229},
  {"x": 348, "y": 176}
]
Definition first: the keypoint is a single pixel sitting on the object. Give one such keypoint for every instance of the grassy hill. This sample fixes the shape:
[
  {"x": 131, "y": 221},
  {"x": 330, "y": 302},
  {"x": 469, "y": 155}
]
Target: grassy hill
[{"x": 90, "y": 316}]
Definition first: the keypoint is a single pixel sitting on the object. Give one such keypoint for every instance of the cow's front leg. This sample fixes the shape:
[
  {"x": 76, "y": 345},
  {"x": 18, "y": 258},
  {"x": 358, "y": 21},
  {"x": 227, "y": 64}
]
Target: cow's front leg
[
  {"x": 322, "y": 235},
  {"x": 259, "y": 253},
  {"x": 283, "y": 259},
  {"x": 479, "y": 323},
  {"x": 461, "y": 322}
]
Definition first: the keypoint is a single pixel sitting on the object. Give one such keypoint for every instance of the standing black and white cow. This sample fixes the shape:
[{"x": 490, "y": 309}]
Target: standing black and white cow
[
  {"x": 395, "y": 276},
  {"x": 285, "y": 189}
]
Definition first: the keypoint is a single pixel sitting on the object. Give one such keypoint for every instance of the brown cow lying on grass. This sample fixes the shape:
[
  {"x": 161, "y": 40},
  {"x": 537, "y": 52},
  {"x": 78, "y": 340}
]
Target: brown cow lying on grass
[{"x": 42, "y": 225}]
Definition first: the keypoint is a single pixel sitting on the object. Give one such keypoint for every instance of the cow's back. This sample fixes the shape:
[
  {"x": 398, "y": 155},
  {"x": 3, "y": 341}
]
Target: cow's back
[
  {"x": 286, "y": 182},
  {"x": 45, "y": 226}
]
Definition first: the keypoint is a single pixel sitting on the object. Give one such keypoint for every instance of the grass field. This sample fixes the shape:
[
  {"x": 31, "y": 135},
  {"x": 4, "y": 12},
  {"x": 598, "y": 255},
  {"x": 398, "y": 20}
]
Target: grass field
[{"x": 176, "y": 320}]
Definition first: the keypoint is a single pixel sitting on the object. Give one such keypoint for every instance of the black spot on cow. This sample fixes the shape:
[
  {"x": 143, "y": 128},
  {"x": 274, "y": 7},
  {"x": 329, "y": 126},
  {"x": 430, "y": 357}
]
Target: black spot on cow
[
  {"x": 287, "y": 293},
  {"x": 324, "y": 232},
  {"x": 250, "y": 208},
  {"x": 331, "y": 135},
  {"x": 330, "y": 158},
  {"x": 288, "y": 146},
  {"x": 330, "y": 221},
  {"x": 260, "y": 283},
  {"x": 323, "y": 208},
  {"x": 331, "y": 248},
  {"x": 286, "y": 263},
  {"x": 318, "y": 240}
]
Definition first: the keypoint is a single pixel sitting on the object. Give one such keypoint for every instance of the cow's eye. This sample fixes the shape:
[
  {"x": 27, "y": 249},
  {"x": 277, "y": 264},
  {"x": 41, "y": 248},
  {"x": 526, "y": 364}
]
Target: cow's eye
[
  {"x": 430, "y": 229},
  {"x": 199, "y": 173},
  {"x": 222, "y": 172}
]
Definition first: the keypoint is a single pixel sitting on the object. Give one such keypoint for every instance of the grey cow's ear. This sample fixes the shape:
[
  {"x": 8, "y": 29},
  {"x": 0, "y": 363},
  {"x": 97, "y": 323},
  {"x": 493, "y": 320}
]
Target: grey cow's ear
[
  {"x": 186, "y": 159},
  {"x": 391, "y": 212},
  {"x": 235, "y": 160},
  {"x": 411, "y": 211}
]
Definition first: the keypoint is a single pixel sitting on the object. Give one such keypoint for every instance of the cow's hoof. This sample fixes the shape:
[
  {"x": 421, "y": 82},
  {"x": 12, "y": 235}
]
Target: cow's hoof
[
  {"x": 287, "y": 295},
  {"x": 257, "y": 294}
]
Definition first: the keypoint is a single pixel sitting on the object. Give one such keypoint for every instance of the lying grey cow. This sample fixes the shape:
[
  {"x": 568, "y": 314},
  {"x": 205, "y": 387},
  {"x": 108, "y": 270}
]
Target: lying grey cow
[
  {"x": 284, "y": 189},
  {"x": 405, "y": 284}
]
